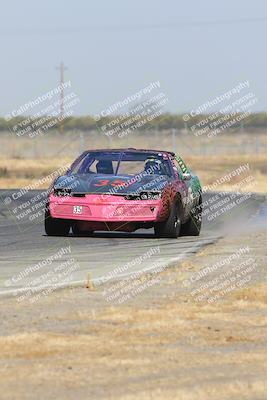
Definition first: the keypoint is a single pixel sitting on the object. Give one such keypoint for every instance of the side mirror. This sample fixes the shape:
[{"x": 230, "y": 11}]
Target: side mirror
[{"x": 187, "y": 176}]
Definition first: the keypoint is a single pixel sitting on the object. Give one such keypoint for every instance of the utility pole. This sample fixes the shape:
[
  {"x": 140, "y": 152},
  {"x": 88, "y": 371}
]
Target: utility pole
[{"x": 61, "y": 68}]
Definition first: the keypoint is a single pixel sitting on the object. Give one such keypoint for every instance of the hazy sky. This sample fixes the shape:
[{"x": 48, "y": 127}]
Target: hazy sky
[{"x": 196, "y": 49}]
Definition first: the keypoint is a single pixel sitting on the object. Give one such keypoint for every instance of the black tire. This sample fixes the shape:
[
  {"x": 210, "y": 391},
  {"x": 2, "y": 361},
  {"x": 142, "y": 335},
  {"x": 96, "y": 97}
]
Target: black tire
[
  {"x": 55, "y": 226},
  {"x": 171, "y": 227},
  {"x": 77, "y": 232},
  {"x": 193, "y": 226}
]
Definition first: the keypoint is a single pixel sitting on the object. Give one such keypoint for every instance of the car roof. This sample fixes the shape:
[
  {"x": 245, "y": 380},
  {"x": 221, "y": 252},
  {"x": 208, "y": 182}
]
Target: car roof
[{"x": 131, "y": 149}]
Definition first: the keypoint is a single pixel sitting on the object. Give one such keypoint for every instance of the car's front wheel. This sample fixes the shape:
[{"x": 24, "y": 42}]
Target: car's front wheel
[
  {"x": 55, "y": 226},
  {"x": 171, "y": 227}
]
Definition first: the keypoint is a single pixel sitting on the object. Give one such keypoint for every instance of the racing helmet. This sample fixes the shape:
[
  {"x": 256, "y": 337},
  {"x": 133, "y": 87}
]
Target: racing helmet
[
  {"x": 104, "y": 167},
  {"x": 153, "y": 166}
]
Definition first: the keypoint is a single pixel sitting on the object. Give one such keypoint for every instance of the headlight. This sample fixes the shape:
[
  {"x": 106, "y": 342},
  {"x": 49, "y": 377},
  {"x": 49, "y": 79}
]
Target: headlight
[
  {"x": 144, "y": 196},
  {"x": 150, "y": 195},
  {"x": 156, "y": 195}
]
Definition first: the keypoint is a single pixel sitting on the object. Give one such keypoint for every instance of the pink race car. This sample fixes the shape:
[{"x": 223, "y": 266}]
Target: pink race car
[{"x": 125, "y": 190}]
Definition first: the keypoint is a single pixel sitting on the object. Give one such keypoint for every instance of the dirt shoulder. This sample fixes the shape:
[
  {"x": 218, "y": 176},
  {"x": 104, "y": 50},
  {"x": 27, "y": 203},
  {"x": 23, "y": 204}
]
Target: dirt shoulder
[{"x": 170, "y": 342}]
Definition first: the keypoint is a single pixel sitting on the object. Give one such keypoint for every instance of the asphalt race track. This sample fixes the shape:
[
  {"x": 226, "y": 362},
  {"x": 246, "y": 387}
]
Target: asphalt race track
[{"x": 24, "y": 244}]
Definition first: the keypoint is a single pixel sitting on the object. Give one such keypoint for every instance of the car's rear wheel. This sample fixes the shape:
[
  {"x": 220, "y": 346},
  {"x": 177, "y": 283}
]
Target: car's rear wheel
[
  {"x": 171, "y": 227},
  {"x": 55, "y": 226},
  {"x": 193, "y": 226}
]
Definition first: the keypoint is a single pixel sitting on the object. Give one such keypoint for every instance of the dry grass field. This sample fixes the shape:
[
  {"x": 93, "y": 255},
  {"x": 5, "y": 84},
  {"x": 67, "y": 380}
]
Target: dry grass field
[
  {"x": 24, "y": 161},
  {"x": 18, "y": 173}
]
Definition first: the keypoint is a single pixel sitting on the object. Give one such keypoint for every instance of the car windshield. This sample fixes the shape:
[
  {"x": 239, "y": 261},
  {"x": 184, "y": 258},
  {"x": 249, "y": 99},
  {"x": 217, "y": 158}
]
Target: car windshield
[{"x": 121, "y": 163}]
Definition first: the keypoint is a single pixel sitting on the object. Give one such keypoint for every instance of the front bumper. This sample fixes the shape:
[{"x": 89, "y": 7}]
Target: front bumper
[{"x": 104, "y": 208}]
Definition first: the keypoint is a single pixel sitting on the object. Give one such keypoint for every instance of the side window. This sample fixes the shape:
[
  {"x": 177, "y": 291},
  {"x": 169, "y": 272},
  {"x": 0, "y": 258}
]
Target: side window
[
  {"x": 177, "y": 168},
  {"x": 80, "y": 165},
  {"x": 182, "y": 165}
]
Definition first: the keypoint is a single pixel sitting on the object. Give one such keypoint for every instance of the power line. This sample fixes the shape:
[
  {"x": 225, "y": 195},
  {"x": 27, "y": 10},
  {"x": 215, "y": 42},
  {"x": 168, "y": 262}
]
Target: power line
[
  {"x": 128, "y": 27},
  {"x": 179, "y": 24}
]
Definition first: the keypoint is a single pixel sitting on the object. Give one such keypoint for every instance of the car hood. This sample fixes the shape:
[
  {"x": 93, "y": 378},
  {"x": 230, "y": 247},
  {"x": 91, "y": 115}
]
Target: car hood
[{"x": 111, "y": 184}]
